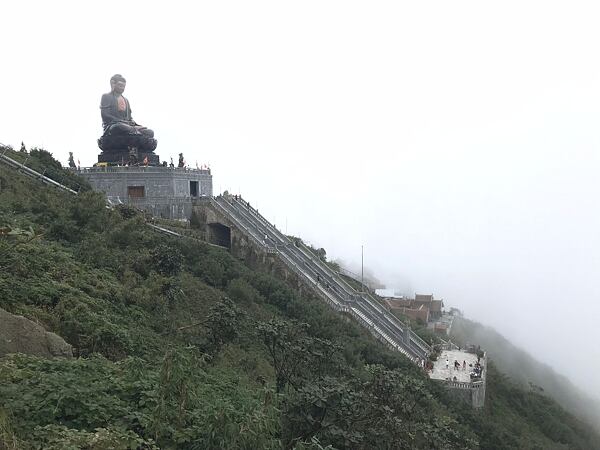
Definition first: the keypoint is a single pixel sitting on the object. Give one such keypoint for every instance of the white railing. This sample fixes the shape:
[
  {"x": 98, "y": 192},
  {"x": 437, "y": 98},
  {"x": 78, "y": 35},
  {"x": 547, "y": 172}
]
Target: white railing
[
  {"x": 33, "y": 174},
  {"x": 237, "y": 222},
  {"x": 463, "y": 384},
  {"x": 139, "y": 169},
  {"x": 424, "y": 348}
]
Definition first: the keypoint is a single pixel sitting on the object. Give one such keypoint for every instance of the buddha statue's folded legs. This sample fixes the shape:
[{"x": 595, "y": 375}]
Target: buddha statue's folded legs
[
  {"x": 121, "y": 128},
  {"x": 121, "y": 135}
]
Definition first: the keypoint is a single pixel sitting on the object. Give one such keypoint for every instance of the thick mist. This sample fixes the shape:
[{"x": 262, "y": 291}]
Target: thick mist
[{"x": 524, "y": 370}]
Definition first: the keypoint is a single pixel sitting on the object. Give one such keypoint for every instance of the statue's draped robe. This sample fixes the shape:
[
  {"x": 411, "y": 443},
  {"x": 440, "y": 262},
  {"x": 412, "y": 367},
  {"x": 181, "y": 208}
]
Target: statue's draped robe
[
  {"x": 116, "y": 116},
  {"x": 111, "y": 113}
]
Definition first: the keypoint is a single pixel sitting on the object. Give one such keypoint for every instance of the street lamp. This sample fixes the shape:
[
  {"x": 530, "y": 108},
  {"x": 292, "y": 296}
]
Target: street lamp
[{"x": 362, "y": 269}]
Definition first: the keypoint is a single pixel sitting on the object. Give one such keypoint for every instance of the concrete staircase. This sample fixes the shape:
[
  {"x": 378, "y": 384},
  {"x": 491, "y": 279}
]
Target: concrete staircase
[{"x": 328, "y": 284}]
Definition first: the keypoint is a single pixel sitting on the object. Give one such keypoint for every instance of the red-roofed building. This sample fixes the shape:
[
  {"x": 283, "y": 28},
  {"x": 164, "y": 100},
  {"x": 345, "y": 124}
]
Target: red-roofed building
[{"x": 422, "y": 307}]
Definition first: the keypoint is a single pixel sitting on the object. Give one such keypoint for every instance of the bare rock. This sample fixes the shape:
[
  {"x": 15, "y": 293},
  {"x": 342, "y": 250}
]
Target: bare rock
[{"x": 21, "y": 335}]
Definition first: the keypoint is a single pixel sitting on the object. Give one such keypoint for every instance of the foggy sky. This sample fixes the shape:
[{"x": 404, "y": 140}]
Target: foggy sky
[{"x": 457, "y": 141}]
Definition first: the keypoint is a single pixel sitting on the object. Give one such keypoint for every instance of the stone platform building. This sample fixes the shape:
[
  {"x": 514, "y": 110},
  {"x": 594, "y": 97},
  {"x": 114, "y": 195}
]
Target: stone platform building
[
  {"x": 459, "y": 381},
  {"x": 166, "y": 192}
]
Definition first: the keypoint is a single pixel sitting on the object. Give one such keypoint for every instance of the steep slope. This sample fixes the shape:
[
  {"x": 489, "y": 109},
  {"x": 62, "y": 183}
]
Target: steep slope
[
  {"x": 179, "y": 345},
  {"x": 524, "y": 370}
]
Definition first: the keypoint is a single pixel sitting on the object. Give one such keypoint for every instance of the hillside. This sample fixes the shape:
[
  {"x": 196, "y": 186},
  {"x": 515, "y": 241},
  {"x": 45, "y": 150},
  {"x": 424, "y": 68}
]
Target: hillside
[
  {"x": 179, "y": 345},
  {"x": 526, "y": 371}
]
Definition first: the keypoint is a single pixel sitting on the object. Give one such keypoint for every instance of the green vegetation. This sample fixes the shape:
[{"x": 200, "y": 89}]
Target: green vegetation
[
  {"x": 180, "y": 345},
  {"x": 42, "y": 161}
]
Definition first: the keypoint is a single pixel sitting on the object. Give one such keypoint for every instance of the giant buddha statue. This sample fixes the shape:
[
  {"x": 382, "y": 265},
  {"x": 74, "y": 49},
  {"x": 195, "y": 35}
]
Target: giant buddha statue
[{"x": 124, "y": 141}]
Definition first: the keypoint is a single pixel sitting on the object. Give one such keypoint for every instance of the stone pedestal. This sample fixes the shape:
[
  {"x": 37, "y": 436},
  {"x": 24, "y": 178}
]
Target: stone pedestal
[
  {"x": 129, "y": 148},
  {"x": 123, "y": 157}
]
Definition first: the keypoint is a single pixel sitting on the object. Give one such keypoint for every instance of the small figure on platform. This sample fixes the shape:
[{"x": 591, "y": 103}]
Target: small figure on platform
[
  {"x": 181, "y": 161},
  {"x": 71, "y": 161}
]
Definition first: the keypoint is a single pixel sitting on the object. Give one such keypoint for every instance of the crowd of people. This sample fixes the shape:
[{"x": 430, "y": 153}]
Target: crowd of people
[{"x": 475, "y": 370}]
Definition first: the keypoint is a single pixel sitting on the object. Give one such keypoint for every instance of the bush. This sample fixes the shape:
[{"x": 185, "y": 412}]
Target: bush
[
  {"x": 167, "y": 260},
  {"x": 240, "y": 291}
]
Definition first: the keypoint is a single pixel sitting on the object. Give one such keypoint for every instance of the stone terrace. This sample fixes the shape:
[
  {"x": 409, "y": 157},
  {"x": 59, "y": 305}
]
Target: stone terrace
[{"x": 440, "y": 372}]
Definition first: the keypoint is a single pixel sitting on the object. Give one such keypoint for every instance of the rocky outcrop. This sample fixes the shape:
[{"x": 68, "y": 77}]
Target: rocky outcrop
[{"x": 21, "y": 335}]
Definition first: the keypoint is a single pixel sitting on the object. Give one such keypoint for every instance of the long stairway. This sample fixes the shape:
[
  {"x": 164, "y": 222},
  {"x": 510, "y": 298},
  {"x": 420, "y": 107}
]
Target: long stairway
[{"x": 330, "y": 286}]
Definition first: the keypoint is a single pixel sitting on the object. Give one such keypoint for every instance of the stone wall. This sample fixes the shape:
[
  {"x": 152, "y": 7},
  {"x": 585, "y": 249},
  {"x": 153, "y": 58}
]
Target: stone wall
[
  {"x": 478, "y": 396},
  {"x": 163, "y": 191},
  {"x": 472, "y": 393}
]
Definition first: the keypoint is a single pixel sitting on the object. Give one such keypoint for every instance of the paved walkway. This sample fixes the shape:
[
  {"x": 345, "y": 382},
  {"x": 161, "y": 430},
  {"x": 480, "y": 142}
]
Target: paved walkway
[{"x": 439, "y": 367}]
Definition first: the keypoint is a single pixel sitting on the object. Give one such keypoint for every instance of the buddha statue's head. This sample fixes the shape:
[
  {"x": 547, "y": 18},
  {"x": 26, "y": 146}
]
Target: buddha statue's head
[{"x": 117, "y": 84}]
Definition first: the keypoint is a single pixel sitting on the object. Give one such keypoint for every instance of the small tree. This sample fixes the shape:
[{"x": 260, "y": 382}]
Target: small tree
[
  {"x": 175, "y": 391},
  {"x": 223, "y": 324},
  {"x": 168, "y": 260},
  {"x": 297, "y": 357}
]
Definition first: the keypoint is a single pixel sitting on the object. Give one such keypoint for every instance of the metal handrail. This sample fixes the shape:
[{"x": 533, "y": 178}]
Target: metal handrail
[
  {"x": 425, "y": 348},
  {"x": 258, "y": 223},
  {"x": 34, "y": 174},
  {"x": 215, "y": 201}
]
